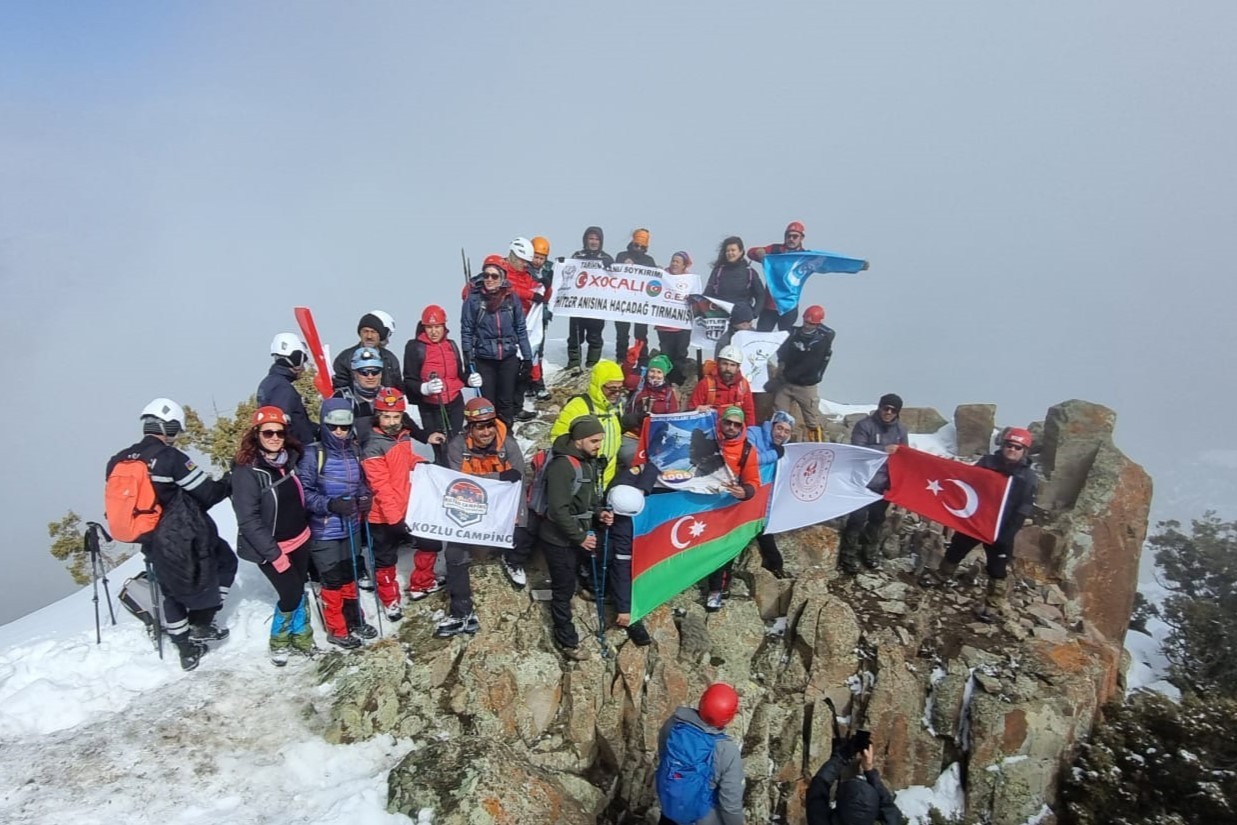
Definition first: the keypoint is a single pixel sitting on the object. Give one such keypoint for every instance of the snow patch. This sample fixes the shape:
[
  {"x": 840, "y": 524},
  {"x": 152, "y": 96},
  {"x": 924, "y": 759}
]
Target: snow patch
[{"x": 917, "y": 801}]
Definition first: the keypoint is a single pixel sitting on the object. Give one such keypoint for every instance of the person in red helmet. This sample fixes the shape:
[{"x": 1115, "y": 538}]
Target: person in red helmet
[
  {"x": 1011, "y": 458},
  {"x": 802, "y": 359},
  {"x": 388, "y": 461},
  {"x": 792, "y": 241},
  {"x": 693, "y": 739},
  {"x": 434, "y": 375}
]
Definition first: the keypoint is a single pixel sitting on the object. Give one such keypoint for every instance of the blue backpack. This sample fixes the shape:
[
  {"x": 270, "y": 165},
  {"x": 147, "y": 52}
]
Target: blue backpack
[{"x": 685, "y": 773}]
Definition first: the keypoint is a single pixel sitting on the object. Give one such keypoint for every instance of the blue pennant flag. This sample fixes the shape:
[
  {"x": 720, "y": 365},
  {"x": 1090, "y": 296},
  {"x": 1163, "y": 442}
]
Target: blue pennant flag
[{"x": 785, "y": 273}]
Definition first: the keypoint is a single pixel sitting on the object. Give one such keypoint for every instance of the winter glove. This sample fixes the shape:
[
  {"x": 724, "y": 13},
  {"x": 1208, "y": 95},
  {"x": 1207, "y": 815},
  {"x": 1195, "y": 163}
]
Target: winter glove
[
  {"x": 341, "y": 506},
  {"x": 281, "y": 564},
  {"x": 526, "y": 370},
  {"x": 538, "y": 298},
  {"x": 433, "y": 386},
  {"x": 547, "y": 317},
  {"x": 510, "y": 475},
  {"x": 474, "y": 380},
  {"x": 364, "y": 502}
]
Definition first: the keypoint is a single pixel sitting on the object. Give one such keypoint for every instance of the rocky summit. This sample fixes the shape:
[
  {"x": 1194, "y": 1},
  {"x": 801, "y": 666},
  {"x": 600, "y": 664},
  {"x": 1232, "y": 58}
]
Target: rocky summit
[{"x": 507, "y": 731}]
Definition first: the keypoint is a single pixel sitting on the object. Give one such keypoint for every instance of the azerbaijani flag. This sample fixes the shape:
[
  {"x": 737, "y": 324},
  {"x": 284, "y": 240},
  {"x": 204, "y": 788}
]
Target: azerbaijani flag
[
  {"x": 786, "y": 272},
  {"x": 682, "y": 537}
]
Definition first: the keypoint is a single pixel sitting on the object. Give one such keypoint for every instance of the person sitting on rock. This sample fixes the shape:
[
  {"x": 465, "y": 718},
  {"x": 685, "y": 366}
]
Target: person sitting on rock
[
  {"x": 718, "y": 799},
  {"x": 1010, "y": 459},
  {"x": 880, "y": 430},
  {"x": 769, "y": 440},
  {"x": 862, "y": 800}
]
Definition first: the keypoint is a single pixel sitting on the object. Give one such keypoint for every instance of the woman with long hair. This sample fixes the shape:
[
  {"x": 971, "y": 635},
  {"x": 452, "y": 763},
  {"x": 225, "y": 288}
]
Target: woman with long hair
[
  {"x": 733, "y": 279},
  {"x": 273, "y": 526}
]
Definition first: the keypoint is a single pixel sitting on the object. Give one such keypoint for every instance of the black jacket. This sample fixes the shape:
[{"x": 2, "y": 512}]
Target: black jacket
[
  {"x": 632, "y": 255},
  {"x": 804, "y": 356},
  {"x": 276, "y": 390},
  {"x": 863, "y": 800},
  {"x": 1021, "y": 502},
  {"x": 258, "y": 494},
  {"x": 342, "y": 370},
  {"x": 600, "y": 254}
]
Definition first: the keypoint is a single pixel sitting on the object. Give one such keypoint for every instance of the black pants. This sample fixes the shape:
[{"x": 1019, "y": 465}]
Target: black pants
[
  {"x": 770, "y": 556},
  {"x": 619, "y": 583},
  {"x": 459, "y": 583},
  {"x": 563, "y": 563},
  {"x": 388, "y": 539},
  {"x": 578, "y": 330},
  {"x": 432, "y": 415},
  {"x": 770, "y": 319},
  {"x": 290, "y": 584},
  {"x": 200, "y": 606},
  {"x": 675, "y": 345},
  {"x": 334, "y": 560},
  {"x": 498, "y": 384},
  {"x": 525, "y": 540},
  {"x": 997, "y": 554},
  {"x": 719, "y": 579},
  {"x": 622, "y": 340},
  {"x": 872, "y": 517}
]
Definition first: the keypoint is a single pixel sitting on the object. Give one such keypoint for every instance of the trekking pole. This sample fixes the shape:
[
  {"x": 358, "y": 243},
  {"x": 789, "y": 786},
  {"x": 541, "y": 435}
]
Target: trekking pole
[
  {"x": 156, "y": 604},
  {"x": 597, "y": 599},
  {"x": 352, "y": 550},
  {"x": 369, "y": 547},
  {"x": 98, "y": 570},
  {"x": 605, "y": 562}
]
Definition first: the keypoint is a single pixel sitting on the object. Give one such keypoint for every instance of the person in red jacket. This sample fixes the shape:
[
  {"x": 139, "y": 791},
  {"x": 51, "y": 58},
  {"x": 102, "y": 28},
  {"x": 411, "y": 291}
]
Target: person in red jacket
[
  {"x": 521, "y": 256},
  {"x": 792, "y": 241},
  {"x": 388, "y": 461},
  {"x": 657, "y": 395},
  {"x": 434, "y": 375},
  {"x": 726, "y": 387}
]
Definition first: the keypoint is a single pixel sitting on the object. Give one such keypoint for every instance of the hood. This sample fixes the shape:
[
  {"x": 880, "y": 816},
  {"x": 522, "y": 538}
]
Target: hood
[
  {"x": 329, "y": 439},
  {"x": 601, "y": 236},
  {"x": 857, "y": 802},
  {"x": 604, "y": 373}
]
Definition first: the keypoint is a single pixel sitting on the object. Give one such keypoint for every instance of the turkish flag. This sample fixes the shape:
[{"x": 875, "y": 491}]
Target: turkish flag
[{"x": 967, "y": 498}]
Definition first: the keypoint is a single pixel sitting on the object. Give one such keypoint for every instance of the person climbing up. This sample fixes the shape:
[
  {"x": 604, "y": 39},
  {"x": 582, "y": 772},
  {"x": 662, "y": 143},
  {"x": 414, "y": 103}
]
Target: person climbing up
[
  {"x": 277, "y": 389},
  {"x": 676, "y": 343},
  {"x": 699, "y": 774},
  {"x": 337, "y": 499},
  {"x": 193, "y": 567},
  {"x": 494, "y": 339},
  {"x": 590, "y": 329},
  {"x": 388, "y": 461},
  {"x": 605, "y": 388},
  {"x": 740, "y": 457},
  {"x": 769, "y": 441},
  {"x": 637, "y": 252},
  {"x": 882, "y": 429},
  {"x": 273, "y": 527},
  {"x": 861, "y": 800},
  {"x": 768, "y": 317},
  {"x": 1012, "y": 458},
  {"x": 802, "y": 360},
  {"x": 726, "y": 387},
  {"x": 733, "y": 279},
  {"x": 434, "y": 375},
  {"x": 374, "y": 330}
]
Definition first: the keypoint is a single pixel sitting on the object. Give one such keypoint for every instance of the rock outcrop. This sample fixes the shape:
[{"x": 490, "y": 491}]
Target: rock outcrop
[{"x": 509, "y": 732}]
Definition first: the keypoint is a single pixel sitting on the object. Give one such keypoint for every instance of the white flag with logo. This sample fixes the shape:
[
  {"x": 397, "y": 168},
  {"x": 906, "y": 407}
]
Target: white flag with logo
[
  {"x": 463, "y": 509},
  {"x": 818, "y": 482}
]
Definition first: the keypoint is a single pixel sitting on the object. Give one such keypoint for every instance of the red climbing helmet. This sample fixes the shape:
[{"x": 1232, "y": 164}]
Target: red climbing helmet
[
  {"x": 1017, "y": 435},
  {"x": 434, "y": 315},
  {"x": 718, "y": 704},
  {"x": 389, "y": 399},
  {"x": 815, "y": 314}
]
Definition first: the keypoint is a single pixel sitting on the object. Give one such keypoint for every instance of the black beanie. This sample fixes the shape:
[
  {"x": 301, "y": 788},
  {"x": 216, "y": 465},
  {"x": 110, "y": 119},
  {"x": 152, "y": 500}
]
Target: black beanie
[
  {"x": 372, "y": 321},
  {"x": 585, "y": 426},
  {"x": 890, "y": 399},
  {"x": 742, "y": 313}
]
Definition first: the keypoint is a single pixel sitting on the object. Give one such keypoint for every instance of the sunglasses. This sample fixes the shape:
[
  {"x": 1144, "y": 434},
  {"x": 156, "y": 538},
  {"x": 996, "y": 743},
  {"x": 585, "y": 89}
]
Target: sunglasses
[
  {"x": 1009, "y": 445},
  {"x": 369, "y": 373},
  {"x": 340, "y": 428},
  {"x": 732, "y": 423},
  {"x": 492, "y": 276},
  {"x": 272, "y": 433},
  {"x": 888, "y": 408}
]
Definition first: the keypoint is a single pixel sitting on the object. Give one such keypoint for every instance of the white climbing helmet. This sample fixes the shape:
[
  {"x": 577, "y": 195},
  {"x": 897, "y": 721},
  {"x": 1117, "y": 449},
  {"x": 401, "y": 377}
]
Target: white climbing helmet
[
  {"x": 730, "y": 353},
  {"x": 387, "y": 321},
  {"x": 286, "y": 343},
  {"x": 522, "y": 248},
  {"x": 626, "y": 500}
]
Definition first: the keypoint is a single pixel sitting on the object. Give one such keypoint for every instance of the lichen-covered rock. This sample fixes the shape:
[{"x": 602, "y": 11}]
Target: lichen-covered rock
[{"x": 974, "y": 424}]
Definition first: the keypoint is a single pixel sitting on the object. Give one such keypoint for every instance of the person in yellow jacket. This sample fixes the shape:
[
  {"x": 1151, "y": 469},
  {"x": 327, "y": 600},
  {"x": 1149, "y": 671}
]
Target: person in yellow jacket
[{"x": 605, "y": 388}]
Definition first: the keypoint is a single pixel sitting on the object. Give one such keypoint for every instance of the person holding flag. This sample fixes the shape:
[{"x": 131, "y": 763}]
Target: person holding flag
[
  {"x": 769, "y": 440},
  {"x": 1010, "y": 459},
  {"x": 581, "y": 329},
  {"x": 637, "y": 252},
  {"x": 882, "y": 429},
  {"x": 740, "y": 457},
  {"x": 785, "y": 272},
  {"x": 673, "y": 342},
  {"x": 792, "y": 241},
  {"x": 733, "y": 279}
]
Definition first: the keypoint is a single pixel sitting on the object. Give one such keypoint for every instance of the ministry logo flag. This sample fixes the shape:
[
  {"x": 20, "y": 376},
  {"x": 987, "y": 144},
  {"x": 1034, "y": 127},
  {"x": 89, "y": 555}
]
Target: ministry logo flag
[
  {"x": 818, "y": 482},
  {"x": 785, "y": 273},
  {"x": 969, "y": 499},
  {"x": 463, "y": 509}
]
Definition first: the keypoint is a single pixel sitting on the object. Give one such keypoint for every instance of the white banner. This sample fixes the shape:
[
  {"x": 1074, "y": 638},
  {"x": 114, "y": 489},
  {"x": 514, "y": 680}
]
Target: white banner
[
  {"x": 759, "y": 354},
  {"x": 710, "y": 320},
  {"x": 624, "y": 292},
  {"x": 818, "y": 482},
  {"x": 463, "y": 509},
  {"x": 534, "y": 323}
]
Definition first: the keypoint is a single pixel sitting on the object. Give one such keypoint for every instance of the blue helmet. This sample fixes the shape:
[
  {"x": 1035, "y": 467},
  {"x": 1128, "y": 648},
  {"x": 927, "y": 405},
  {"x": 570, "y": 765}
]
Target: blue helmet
[{"x": 366, "y": 358}]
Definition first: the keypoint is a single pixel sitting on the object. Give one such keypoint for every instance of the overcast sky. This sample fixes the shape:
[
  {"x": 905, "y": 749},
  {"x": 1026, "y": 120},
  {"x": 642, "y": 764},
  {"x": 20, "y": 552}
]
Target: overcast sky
[{"x": 1045, "y": 192}]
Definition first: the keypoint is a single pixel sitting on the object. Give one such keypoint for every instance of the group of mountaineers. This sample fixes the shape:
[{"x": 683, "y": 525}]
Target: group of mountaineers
[{"x": 321, "y": 506}]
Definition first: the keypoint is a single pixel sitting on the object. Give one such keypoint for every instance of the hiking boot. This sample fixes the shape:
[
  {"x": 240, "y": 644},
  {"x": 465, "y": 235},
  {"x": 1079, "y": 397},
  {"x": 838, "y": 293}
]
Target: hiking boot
[
  {"x": 942, "y": 575},
  {"x": 191, "y": 652},
  {"x": 365, "y": 582},
  {"x": 714, "y": 602},
  {"x": 281, "y": 637},
  {"x": 848, "y": 552},
  {"x": 364, "y": 630},
  {"x": 782, "y": 573},
  {"x": 542, "y": 394},
  {"x": 515, "y": 574},
  {"x": 455, "y": 625},
  {"x": 870, "y": 546},
  {"x": 995, "y": 606},
  {"x": 638, "y": 635},
  {"x": 417, "y": 595},
  {"x": 207, "y": 632},
  {"x": 393, "y": 612},
  {"x": 576, "y": 654},
  {"x": 347, "y": 641},
  {"x": 525, "y": 415}
]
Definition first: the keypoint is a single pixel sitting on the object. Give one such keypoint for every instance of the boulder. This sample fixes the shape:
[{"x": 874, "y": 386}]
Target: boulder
[
  {"x": 922, "y": 420},
  {"x": 1073, "y": 433},
  {"x": 974, "y": 424}
]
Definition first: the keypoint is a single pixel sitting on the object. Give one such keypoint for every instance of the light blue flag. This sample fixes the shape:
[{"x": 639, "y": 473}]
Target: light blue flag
[{"x": 785, "y": 273}]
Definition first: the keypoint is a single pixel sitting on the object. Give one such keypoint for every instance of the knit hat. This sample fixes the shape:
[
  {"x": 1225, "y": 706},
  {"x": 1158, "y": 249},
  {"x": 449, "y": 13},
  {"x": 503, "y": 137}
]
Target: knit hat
[
  {"x": 890, "y": 399},
  {"x": 783, "y": 417},
  {"x": 372, "y": 321},
  {"x": 641, "y": 238},
  {"x": 734, "y": 413},
  {"x": 661, "y": 362},
  {"x": 585, "y": 426},
  {"x": 742, "y": 313},
  {"x": 687, "y": 259}
]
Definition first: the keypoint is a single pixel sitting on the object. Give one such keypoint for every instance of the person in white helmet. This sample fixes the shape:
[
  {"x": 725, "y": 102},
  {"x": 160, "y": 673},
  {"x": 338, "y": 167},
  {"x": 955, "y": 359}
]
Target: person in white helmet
[
  {"x": 374, "y": 330},
  {"x": 193, "y": 566},
  {"x": 277, "y": 390},
  {"x": 626, "y": 501}
]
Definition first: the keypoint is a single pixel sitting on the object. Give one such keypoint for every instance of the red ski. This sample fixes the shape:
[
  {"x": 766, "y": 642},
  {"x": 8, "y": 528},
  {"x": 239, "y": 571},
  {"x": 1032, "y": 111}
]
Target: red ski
[{"x": 322, "y": 376}]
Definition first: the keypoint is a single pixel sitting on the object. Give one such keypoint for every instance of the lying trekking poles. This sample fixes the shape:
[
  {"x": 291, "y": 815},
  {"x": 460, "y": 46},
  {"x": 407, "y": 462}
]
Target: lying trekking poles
[{"x": 98, "y": 571}]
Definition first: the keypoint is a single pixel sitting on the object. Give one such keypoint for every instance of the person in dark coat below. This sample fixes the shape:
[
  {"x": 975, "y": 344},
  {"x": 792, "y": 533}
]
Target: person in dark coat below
[
  {"x": 802, "y": 360},
  {"x": 882, "y": 429},
  {"x": 861, "y": 800},
  {"x": 374, "y": 330},
  {"x": 494, "y": 339},
  {"x": 194, "y": 568},
  {"x": 277, "y": 390},
  {"x": 273, "y": 528},
  {"x": 590, "y": 329},
  {"x": 1012, "y": 459},
  {"x": 718, "y": 706},
  {"x": 733, "y": 279},
  {"x": 637, "y": 252}
]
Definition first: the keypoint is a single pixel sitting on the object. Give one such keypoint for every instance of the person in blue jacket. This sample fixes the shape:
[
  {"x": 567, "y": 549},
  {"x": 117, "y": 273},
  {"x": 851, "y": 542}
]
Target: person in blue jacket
[
  {"x": 337, "y": 499},
  {"x": 768, "y": 440},
  {"x": 494, "y": 339}
]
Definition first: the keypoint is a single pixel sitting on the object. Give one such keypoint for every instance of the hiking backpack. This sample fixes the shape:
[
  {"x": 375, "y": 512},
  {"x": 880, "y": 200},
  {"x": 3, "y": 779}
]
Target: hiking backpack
[
  {"x": 685, "y": 773},
  {"x": 129, "y": 500},
  {"x": 538, "y": 501}
]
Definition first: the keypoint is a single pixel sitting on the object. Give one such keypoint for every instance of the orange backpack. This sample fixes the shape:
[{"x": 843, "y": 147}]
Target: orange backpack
[{"x": 129, "y": 501}]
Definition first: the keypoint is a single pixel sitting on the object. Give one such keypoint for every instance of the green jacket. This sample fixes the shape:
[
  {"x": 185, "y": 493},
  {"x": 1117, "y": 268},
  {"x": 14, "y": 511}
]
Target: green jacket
[
  {"x": 605, "y": 372},
  {"x": 569, "y": 514}
]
